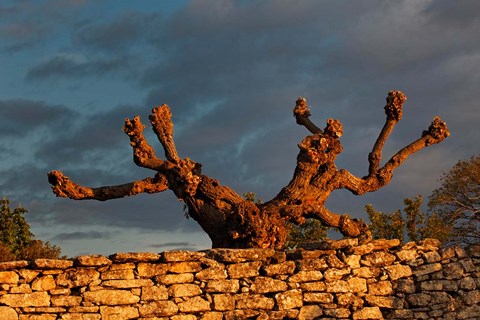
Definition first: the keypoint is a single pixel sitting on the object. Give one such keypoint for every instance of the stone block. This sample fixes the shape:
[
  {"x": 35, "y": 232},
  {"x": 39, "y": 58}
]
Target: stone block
[
  {"x": 223, "y": 302},
  {"x": 158, "y": 308},
  {"x": 181, "y": 255},
  {"x": 310, "y": 265},
  {"x": 12, "y": 265},
  {"x": 313, "y": 286},
  {"x": 381, "y": 288},
  {"x": 266, "y": 284},
  {"x": 427, "y": 269},
  {"x": 254, "y": 302},
  {"x": 185, "y": 267},
  {"x": 398, "y": 271},
  {"x": 349, "y": 300},
  {"x": 79, "y": 277},
  {"x": 35, "y": 299},
  {"x": 289, "y": 299},
  {"x": 9, "y": 277},
  {"x": 134, "y": 257},
  {"x": 223, "y": 286},
  {"x": 124, "y": 284},
  {"x": 111, "y": 297},
  {"x": 378, "y": 259},
  {"x": 115, "y": 313},
  {"x": 407, "y": 255},
  {"x": 43, "y": 283},
  {"x": 120, "y": 274},
  {"x": 318, "y": 297},
  {"x": 157, "y": 292},
  {"x": 335, "y": 274},
  {"x": 175, "y": 278},
  {"x": 28, "y": 275},
  {"x": 418, "y": 299},
  {"x": 212, "y": 273},
  {"x": 238, "y": 256},
  {"x": 306, "y": 276},
  {"x": 52, "y": 264},
  {"x": 91, "y": 261},
  {"x": 244, "y": 270},
  {"x": 195, "y": 304},
  {"x": 8, "y": 313},
  {"x": 310, "y": 312},
  {"x": 184, "y": 290},
  {"x": 368, "y": 313},
  {"x": 337, "y": 313},
  {"x": 150, "y": 270},
  {"x": 66, "y": 301}
]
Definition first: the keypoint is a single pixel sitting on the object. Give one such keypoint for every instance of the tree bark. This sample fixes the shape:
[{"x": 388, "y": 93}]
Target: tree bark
[{"x": 234, "y": 222}]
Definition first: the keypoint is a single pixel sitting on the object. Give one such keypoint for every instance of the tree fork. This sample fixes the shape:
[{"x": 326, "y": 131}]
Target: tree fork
[{"x": 232, "y": 221}]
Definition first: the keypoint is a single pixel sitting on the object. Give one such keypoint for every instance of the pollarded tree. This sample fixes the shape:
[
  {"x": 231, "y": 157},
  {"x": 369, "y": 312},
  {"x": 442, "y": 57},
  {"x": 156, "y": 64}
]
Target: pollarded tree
[{"x": 230, "y": 220}]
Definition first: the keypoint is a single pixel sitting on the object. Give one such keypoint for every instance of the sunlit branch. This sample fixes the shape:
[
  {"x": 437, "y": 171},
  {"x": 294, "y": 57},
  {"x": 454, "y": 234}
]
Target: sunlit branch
[
  {"x": 302, "y": 113},
  {"x": 161, "y": 120},
  {"x": 62, "y": 186}
]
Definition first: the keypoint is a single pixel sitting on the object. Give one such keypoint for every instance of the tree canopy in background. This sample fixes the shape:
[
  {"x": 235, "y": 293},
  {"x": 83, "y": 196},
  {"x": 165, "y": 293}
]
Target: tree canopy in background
[
  {"x": 453, "y": 213},
  {"x": 17, "y": 242},
  {"x": 457, "y": 201}
]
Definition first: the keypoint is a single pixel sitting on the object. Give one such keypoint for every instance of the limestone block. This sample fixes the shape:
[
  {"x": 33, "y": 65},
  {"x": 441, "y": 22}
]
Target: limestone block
[
  {"x": 289, "y": 299},
  {"x": 120, "y": 274},
  {"x": 184, "y": 290},
  {"x": 238, "y": 256},
  {"x": 66, "y": 301},
  {"x": 11, "y": 265},
  {"x": 432, "y": 285},
  {"x": 35, "y": 299},
  {"x": 400, "y": 314},
  {"x": 366, "y": 272},
  {"x": 175, "y": 278},
  {"x": 211, "y": 316},
  {"x": 242, "y": 314},
  {"x": 453, "y": 270},
  {"x": 83, "y": 309},
  {"x": 28, "y": 275},
  {"x": 384, "y": 302},
  {"x": 149, "y": 270},
  {"x": 353, "y": 261},
  {"x": 385, "y": 244},
  {"x": 157, "y": 292},
  {"x": 135, "y": 283},
  {"x": 310, "y": 264},
  {"x": 431, "y": 256},
  {"x": 287, "y": 268},
  {"x": 407, "y": 255},
  {"x": 310, "y": 312},
  {"x": 381, "y": 288},
  {"x": 10, "y": 277},
  {"x": 418, "y": 299},
  {"x": 185, "y": 267},
  {"x": 349, "y": 300},
  {"x": 181, "y": 255},
  {"x": 398, "y": 271},
  {"x": 183, "y": 317},
  {"x": 23, "y": 288},
  {"x": 318, "y": 297},
  {"x": 212, "y": 273},
  {"x": 158, "y": 308},
  {"x": 134, "y": 256},
  {"x": 52, "y": 264},
  {"x": 337, "y": 313},
  {"x": 111, "y": 297},
  {"x": 44, "y": 283},
  {"x": 80, "y": 316},
  {"x": 43, "y": 310},
  {"x": 44, "y": 316},
  {"x": 8, "y": 313},
  {"x": 362, "y": 249},
  {"x": 223, "y": 286},
  {"x": 254, "y": 301},
  {"x": 115, "y": 313},
  {"x": 283, "y": 314},
  {"x": 357, "y": 285},
  {"x": 338, "y": 286},
  {"x": 223, "y": 302},
  {"x": 313, "y": 286},
  {"x": 406, "y": 285},
  {"x": 378, "y": 259},
  {"x": 79, "y": 277},
  {"x": 195, "y": 304},
  {"x": 266, "y": 284},
  {"x": 335, "y": 274},
  {"x": 368, "y": 313},
  {"x": 427, "y": 269},
  {"x": 306, "y": 276},
  {"x": 92, "y": 261},
  {"x": 244, "y": 270}
]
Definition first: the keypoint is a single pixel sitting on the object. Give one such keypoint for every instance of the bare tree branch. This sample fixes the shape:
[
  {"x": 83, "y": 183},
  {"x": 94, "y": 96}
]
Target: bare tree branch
[
  {"x": 62, "y": 186},
  {"x": 143, "y": 153},
  {"x": 302, "y": 113},
  {"x": 161, "y": 120},
  {"x": 393, "y": 110}
]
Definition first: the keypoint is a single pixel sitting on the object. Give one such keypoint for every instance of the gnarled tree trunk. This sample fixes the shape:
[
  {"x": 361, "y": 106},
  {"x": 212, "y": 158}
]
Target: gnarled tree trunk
[{"x": 234, "y": 222}]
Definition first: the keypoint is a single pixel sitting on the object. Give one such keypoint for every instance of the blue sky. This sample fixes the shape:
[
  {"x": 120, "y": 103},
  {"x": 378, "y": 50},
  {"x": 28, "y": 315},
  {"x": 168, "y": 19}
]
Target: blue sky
[{"x": 73, "y": 70}]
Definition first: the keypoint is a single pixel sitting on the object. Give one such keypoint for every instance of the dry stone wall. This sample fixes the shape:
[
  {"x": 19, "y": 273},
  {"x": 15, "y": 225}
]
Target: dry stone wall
[{"x": 333, "y": 280}]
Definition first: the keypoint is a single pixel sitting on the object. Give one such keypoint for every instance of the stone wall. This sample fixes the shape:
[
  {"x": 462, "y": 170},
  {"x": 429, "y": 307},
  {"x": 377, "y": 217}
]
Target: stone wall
[{"x": 335, "y": 280}]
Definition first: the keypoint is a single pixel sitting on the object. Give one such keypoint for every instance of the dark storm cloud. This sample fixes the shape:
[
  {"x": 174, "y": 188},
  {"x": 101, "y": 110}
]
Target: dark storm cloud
[
  {"x": 90, "y": 235},
  {"x": 66, "y": 66},
  {"x": 19, "y": 117},
  {"x": 25, "y": 24},
  {"x": 125, "y": 32}
]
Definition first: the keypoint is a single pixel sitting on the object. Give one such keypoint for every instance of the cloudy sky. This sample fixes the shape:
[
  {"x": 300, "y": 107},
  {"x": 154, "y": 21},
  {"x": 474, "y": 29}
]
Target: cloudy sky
[{"x": 73, "y": 70}]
